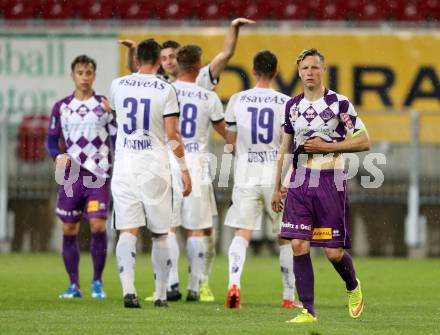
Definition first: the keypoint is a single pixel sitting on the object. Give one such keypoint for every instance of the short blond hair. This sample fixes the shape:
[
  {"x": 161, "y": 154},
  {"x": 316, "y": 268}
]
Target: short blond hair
[{"x": 310, "y": 52}]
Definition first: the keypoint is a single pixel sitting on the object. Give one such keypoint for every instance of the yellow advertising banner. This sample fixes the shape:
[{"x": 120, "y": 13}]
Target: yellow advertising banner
[{"x": 376, "y": 71}]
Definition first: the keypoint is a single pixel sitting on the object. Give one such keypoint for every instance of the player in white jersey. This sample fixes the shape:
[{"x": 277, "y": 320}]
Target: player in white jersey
[
  {"x": 254, "y": 121},
  {"x": 208, "y": 78},
  {"x": 199, "y": 108},
  {"x": 147, "y": 115},
  {"x": 81, "y": 122}
]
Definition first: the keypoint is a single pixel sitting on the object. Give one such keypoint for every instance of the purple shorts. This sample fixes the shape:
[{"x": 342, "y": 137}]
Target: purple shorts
[
  {"x": 92, "y": 200},
  {"x": 316, "y": 209}
]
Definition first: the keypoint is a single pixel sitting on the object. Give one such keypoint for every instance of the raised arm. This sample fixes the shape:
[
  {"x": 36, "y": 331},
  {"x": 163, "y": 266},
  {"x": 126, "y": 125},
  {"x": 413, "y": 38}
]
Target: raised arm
[
  {"x": 131, "y": 45},
  {"x": 175, "y": 143},
  {"x": 220, "y": 61}
]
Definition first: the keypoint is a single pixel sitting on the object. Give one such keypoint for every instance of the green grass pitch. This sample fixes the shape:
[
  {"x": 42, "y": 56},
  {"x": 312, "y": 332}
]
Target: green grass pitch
[{"x": 402, "y": 297}]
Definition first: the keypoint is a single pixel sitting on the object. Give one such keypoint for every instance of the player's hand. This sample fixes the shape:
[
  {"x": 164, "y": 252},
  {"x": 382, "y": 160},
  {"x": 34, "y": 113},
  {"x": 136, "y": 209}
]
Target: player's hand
[
  {"x": 62, "y": 160},
  {"x": 241, "y": 21},
  {"x": 186, "y": 183},
  {"x": 277, "y": 201},
  {"x": 317, "y": 145},
  {"x": 128, "y": 43},
  {"x": 283, "y": 191},
  {"x": 106, "y": 105}
]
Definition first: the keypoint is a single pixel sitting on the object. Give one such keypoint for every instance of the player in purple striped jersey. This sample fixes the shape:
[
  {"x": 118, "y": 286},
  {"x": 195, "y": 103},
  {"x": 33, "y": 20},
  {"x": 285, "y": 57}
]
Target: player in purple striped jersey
[
  {"x": 320, "y": 125},
  {"x": 207, "y": 78},
  {"x": 82, "y": 122}
]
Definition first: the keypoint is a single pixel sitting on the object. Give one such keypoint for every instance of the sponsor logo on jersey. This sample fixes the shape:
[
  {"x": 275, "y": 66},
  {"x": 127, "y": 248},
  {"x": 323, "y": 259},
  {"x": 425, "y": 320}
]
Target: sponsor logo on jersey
[
  {"x": 92, "y": 206},
  {"x": 346, "y": 118},
  {"x": 294, "y": 113},
  {"x": 322, "y": 234}
]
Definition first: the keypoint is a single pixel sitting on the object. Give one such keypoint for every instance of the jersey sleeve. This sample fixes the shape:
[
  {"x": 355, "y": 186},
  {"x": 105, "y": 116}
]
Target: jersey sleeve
[
  {"x": 230, "y": 118},
  {"x": 288, "y": 128},
  {"x": 112, "y": 95},
  {"x": 205, "y": 80},
  {"x": 55, "y": 121},
  {"x": 351, "y": 120},
  {"x": 171, "y": 104},
  {"x": 216, "y": 110}
]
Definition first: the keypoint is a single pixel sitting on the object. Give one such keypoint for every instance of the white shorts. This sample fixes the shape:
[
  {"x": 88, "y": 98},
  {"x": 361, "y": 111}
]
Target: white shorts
[
  {"x": 248, "y": 206},
  {"x": 195, "y": 211},
  {"x": 140, "y": 198}
]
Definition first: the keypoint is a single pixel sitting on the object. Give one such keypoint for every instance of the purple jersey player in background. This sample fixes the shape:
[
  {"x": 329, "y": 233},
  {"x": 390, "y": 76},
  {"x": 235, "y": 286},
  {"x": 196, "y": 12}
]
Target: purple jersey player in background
[
  {"x": 319, "y": 126},
  {"x": 82, "y": 122}
]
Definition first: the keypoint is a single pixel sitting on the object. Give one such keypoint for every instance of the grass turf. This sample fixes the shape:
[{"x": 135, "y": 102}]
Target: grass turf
[{"x": 402, "y": 297}]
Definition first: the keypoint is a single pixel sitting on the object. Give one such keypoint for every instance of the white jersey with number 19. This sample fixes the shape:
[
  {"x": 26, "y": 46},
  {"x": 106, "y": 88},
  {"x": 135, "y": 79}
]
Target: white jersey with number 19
[{"x": 258, "y": 116}]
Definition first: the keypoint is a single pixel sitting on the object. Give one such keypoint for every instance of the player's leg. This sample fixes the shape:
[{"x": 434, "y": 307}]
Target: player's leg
[
  {"x": 343, "y": 264},
  {"x": 333, "y": 221},
  {"x": 209, "y": 240},
  {"x": 287, "y": 275},
  {"x": 157, "y": 201},
  {"x": 286, "y": 253},
  {"x": 173, "y": 291},
  {"x": 126, "y": 258},
  {"x": 128, "y": 217},
  {"x": 237, "y": 257},
  {"x": 71, "y": 255},
  {"x": 206, "y": 294},
  {"x": 69, "y": 210},
  {"x": 297, "y": 225},
  {"x": 97, "y": 203},
  {"x": 161, "y": 261},
  {"x": 196, "y": 250},
  {"x": 98, "y": 251}
]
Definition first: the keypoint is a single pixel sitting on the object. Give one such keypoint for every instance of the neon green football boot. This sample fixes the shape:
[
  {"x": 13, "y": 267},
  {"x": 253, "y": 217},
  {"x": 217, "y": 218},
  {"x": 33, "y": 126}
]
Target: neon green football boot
[
  {"x": 206, "y": 293},
  {"x": 355, "y": 301},
  {"x": 303, "y": 317}
]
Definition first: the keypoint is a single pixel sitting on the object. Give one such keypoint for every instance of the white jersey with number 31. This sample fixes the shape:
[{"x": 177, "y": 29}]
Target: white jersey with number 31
[{"x": 141, "y": 102}]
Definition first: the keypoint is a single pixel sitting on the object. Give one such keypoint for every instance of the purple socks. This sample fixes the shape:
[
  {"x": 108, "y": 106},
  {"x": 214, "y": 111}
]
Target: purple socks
[
  {"x": 98, "y": 250},
  {"x": 345, "y": 269},
  {"x": 71, "y": 257},
  {"x": 305, "y": 281}
]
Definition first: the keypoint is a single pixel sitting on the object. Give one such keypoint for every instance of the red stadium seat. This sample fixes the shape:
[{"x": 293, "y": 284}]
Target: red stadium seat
[
  {"x": 213, "y": 10},
  {"x": 255, "y": 10},
  {"x": 408, "y": 11},
  {"x": 20, "y": 9},
  {"x": 432, "y": 9},
  {"x": 290, "y": 10},
  {"x": 57, "y": 9},
  {"x": 175, "y": 9},
  {"x": 95, "y": 9},
  {"x": 329, "y": 10},
  {"x": 368, "y": 10},
  {"x": 134, "y": 9}
]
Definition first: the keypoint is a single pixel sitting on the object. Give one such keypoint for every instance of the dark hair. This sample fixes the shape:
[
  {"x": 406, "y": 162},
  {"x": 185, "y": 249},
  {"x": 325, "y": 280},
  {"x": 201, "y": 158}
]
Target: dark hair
[
  {"x": 83, "y": 59},
  {"x": 265, "y": 64},
  {"x": 148, "y": 51},
  {"x": 188, "y": 56},
  {"x": 170, "y": 44},
  {"x": 310, "y": 52}
]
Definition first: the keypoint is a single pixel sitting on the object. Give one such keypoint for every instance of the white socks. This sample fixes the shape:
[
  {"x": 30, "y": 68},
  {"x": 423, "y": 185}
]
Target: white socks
[
  {"x": 287, "y": 276},
  {"x": 237, "y": 256},
  {"x": 196, "y": 250},
  {"x": 126, "y": 257},
  {"x": 161, "y": 259},
  {"x": 209, "y": 242},
  {"x": 174, "y": 255}
]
